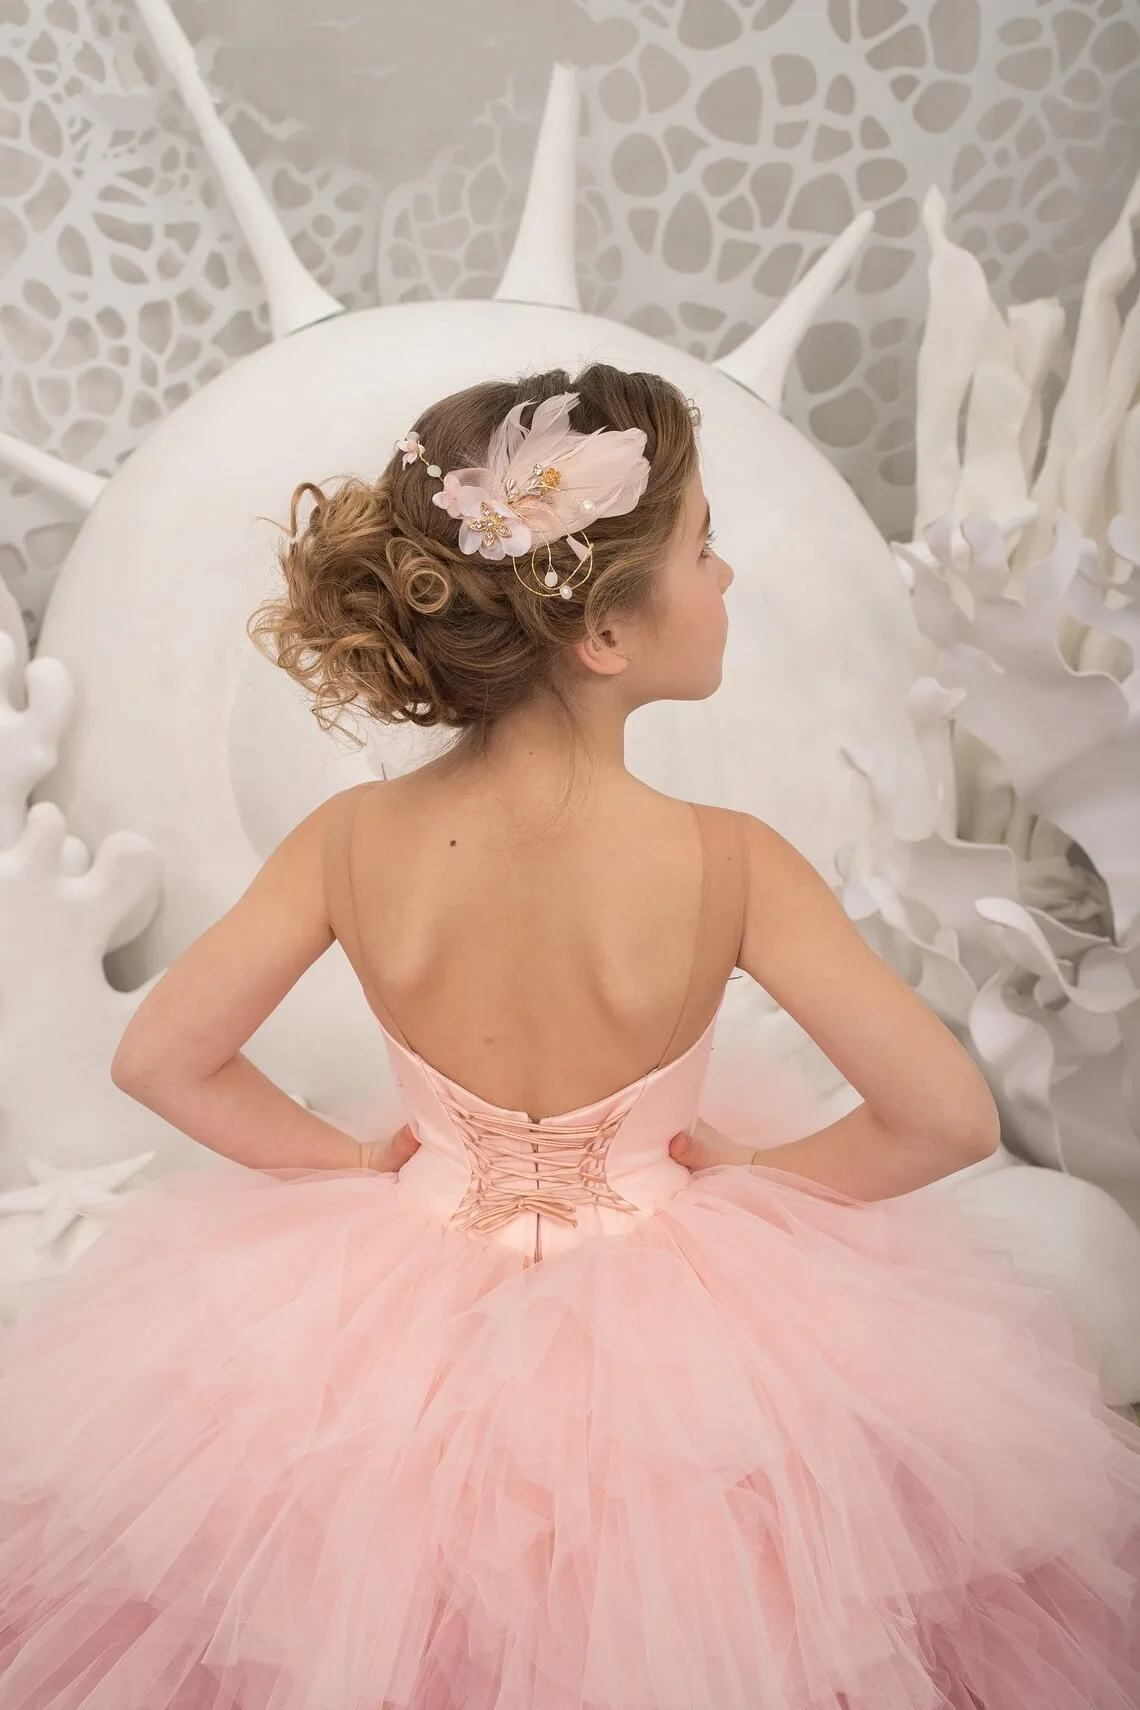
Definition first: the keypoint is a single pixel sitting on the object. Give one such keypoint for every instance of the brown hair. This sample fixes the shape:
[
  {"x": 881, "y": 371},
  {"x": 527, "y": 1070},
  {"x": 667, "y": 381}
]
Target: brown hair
[{"x": 382, "y": 610}]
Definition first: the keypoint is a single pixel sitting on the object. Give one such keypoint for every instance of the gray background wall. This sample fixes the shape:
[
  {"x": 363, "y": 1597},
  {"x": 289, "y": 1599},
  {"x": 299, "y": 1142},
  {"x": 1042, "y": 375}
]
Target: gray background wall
[{"x": 724, "y": 142}]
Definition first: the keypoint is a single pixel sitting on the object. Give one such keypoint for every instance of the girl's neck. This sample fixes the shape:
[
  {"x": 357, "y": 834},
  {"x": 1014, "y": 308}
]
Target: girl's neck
[{"x": 536, "y": 759}]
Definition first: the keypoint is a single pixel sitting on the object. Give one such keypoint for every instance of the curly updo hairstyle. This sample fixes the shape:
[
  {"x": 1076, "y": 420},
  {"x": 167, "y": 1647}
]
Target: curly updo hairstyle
[{"x": 381, "y": 611}]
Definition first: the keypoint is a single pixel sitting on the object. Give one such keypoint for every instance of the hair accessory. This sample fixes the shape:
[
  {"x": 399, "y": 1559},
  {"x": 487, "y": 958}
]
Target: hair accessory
[{"x": 540, "y": 484}]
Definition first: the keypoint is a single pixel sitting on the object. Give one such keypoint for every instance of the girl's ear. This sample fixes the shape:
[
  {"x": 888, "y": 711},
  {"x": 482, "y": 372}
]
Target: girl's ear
[{"x": 603, "y": 653}]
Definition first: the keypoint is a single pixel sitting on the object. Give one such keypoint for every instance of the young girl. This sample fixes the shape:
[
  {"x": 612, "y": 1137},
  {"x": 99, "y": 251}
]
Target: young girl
[{"x": 541, "y": 1420}]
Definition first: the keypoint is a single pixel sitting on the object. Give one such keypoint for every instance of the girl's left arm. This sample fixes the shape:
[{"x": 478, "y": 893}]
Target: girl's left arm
[{"x": 181, "y": 1052}]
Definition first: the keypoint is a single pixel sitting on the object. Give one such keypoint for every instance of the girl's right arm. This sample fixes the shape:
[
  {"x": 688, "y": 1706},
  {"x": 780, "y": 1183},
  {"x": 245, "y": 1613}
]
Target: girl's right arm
[{"x": 927, "y": 1110}]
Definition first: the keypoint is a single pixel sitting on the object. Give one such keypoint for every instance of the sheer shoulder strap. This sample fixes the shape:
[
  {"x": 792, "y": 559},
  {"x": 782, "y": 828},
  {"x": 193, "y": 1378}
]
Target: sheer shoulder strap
[
  {"x": 720, "y": 919},
  {"x": 340, "y": 897}
]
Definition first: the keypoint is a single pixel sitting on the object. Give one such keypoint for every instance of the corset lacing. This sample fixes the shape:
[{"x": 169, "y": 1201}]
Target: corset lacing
[{"x": 519, "y": 1166}]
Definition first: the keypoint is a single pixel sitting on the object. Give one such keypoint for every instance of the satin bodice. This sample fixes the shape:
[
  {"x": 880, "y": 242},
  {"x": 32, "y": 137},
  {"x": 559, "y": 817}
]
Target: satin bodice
[{"x": 539, "y": 1187}]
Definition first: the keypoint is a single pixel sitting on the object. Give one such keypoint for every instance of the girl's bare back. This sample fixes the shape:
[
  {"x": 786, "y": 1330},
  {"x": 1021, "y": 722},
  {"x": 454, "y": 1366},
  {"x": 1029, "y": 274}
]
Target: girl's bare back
[{"x": 540, "y": 959}]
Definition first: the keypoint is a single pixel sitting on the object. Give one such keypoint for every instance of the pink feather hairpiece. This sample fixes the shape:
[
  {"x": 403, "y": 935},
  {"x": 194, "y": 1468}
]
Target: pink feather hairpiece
[{"x": 541, "y": 483}]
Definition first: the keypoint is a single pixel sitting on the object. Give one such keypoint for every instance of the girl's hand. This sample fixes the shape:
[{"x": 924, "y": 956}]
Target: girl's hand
[
  {"x": 389, "y": 1155},
  {"x": 704, "y": 1146}
]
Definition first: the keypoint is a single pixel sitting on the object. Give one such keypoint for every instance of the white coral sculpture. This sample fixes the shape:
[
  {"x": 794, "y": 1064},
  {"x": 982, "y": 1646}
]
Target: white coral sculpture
[
  {"x": 1028, "y": 878},
  {"x": 1014, "y": 906},
  {"x": 1051, "y": 1008},
  {"x": 60, "y": 913}
]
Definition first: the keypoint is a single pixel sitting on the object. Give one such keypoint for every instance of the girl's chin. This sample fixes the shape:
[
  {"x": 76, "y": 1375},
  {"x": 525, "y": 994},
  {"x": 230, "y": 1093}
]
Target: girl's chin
[
  {"x": 710, "y": 680},
  {"x": 696, "y": 688}
]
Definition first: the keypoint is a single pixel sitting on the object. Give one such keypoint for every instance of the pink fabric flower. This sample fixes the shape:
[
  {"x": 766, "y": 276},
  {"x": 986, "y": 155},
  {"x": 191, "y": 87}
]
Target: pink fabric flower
[
  {"x": 455, "y": 482},
  {"x": 543, "y": 482},
  {"x": 490, "y": 527}
]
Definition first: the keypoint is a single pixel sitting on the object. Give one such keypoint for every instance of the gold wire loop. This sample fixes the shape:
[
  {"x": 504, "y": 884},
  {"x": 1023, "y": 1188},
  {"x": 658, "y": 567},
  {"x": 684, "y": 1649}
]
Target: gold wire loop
[{"x": 562, "y": 587}]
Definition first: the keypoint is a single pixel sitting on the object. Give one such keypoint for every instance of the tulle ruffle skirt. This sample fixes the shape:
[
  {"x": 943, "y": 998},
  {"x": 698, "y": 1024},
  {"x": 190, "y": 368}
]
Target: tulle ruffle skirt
[{"x": 278, "y": 1442}]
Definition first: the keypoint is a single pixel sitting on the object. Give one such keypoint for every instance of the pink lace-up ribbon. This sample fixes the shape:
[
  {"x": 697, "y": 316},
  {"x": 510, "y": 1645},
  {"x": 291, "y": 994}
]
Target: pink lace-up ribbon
[{"x": 519, "y": 1166}]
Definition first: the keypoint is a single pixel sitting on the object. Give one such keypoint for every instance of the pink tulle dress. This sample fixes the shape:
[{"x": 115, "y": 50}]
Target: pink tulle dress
[{"x": 548, "y": 1423}]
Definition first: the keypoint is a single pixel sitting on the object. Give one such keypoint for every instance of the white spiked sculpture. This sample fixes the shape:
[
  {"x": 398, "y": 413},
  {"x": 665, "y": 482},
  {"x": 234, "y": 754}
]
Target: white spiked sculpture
[
  {"x": 541, "y": 265},
  {"x": 761, "y": 361},
  {"x": 295, "y": 299},
  {"x": 191, "y": 739},
  {"x": 71, "y": 483}
]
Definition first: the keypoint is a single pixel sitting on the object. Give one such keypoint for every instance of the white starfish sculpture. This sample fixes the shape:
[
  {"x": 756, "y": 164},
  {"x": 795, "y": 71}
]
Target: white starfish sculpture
[{"x": 64, "y": 1195}]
